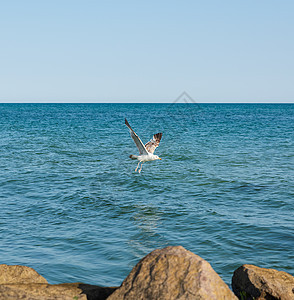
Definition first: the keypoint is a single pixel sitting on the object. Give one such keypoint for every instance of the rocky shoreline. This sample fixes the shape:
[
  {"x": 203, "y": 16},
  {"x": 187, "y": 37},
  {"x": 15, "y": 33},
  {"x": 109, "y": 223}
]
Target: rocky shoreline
[{"x": 169, "y": 273}]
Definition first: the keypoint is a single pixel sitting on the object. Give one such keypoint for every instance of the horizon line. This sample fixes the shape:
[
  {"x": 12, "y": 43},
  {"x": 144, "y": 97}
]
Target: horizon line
[{"x": 195, "y": 102}]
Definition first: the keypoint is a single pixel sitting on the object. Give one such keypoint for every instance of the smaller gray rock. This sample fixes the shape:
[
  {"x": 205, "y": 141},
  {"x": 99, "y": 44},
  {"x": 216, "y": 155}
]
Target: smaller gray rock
[{"x": 251, "y": 282}]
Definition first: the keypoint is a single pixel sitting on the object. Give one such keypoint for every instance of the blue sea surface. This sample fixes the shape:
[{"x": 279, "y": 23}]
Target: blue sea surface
[{"x": 72, "y": 207}]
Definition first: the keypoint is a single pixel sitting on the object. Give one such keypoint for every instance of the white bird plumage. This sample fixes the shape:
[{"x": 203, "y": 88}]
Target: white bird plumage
[{"x": 145, "y": 151}]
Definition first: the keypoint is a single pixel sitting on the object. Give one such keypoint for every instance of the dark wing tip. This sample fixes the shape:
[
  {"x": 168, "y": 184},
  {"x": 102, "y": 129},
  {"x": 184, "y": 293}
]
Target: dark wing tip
[
  {"x": 158, "y": 136},
  {"x": 127, "y": 123}
]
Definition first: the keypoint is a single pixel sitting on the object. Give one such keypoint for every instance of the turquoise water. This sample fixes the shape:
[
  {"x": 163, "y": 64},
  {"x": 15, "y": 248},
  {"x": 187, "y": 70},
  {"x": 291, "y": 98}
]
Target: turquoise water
[{"x": 73, "y": 208}]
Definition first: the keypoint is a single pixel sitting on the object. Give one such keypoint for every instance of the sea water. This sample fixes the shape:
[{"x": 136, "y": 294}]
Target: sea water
[{"x": 72, "y": 207}]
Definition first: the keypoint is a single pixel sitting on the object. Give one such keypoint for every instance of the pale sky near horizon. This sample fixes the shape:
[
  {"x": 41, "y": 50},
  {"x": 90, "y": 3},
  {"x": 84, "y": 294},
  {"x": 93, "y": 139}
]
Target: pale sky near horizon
[{"x": 146, "y": 51}]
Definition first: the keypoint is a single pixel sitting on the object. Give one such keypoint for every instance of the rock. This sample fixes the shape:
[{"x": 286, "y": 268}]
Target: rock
[
  {"x": 19, "y": 274},
  {"x": 66, "y": 291},
  {"x": 21, "y": 282},
  {"x": 37, "y": 291},
  {"x": 172, "y": 273},
  {"x": 251, "y": 282}
]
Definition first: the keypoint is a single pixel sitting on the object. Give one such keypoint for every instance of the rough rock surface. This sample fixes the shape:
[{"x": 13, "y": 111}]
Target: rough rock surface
[
  {"x": 21, "y": 282},
  {"x": 19, "y": 274},
  {"x": 42, "y": 291},
  {"x": 251, "y": 282},
  {"x": 172, "y": 273},
  {"x": 36, "y": 291}
]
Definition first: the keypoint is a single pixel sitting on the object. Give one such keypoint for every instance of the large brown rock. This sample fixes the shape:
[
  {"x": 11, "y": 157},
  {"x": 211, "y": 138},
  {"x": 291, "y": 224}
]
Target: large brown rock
[
  {"x": 251, "y": 282},
  {"x": 19, "y": 274},
  {"x": 172, "y": 273}
]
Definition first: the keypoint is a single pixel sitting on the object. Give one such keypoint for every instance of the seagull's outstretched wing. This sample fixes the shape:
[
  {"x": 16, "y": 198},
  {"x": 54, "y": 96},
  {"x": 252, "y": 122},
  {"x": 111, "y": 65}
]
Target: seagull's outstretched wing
[
  {"x": 153, "y": 143},
  {"x": 137, "y": 140}
]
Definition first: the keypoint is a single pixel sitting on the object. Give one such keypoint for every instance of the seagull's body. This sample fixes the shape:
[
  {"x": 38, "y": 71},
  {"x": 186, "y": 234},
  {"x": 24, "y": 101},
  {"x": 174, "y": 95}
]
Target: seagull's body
[{"x": 146, "y": 151}]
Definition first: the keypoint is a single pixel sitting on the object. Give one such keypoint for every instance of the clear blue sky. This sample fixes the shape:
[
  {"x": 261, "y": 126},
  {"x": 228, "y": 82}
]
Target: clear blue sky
[{"x": 146, "y": 51}]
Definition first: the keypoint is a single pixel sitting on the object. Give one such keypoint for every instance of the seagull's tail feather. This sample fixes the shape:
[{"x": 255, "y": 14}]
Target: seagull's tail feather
[{"x": 133, "y": 156}]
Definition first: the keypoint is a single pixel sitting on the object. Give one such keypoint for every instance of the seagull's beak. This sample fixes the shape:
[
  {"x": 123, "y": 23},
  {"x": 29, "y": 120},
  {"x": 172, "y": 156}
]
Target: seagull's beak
[{"x": 159, "y": 158}]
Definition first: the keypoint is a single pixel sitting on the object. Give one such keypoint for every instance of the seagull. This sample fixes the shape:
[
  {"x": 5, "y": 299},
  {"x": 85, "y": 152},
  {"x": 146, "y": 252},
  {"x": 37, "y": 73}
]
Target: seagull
[{"x": 146, "y": 151}]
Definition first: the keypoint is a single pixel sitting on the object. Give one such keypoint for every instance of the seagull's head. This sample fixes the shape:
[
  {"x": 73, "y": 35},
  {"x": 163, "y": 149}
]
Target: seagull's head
[{"x": 157, "y": 157}]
